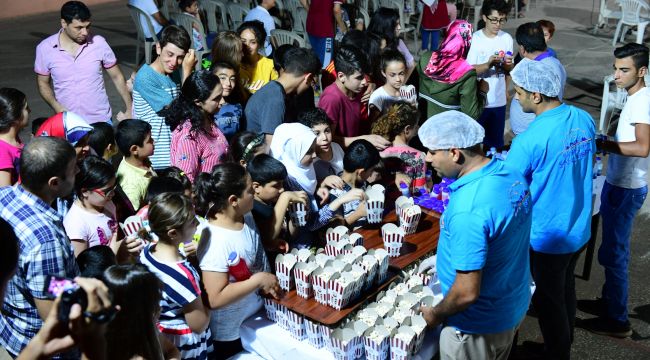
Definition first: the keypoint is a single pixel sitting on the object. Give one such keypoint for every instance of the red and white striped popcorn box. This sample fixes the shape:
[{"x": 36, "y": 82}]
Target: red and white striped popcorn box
[
  {"x": 426, "y": 278},
  {"x": 296, "y": 325},
  {"x": 375, "y": 210},
  {"x": 314, "y": 335},
  {"x": 131, "y": 226},
  {"x": 402, "y": 343},
  {"x": 284, "y": 264},
  {"x": 343, "y": 344},
  {"x": 401, "y": 203},
  {"x": 356, "y": 239},
  {"x": 419, "y": 325},
  {"x": 271, "y": 309},
  {"x": 393, "y": 237},
  {"x": 282, "y": 318},
  {"x": 298, "y": 214},
  {"x": 410, "y": 218},
  {"x": 435, "y": 285},
  {"x": 376, "y": 341},
  {"x": 322, "y": 259},
  {"x": 303, "y": 255},
  {"x": 408, "y": 301},
  {"x": 335, "y": 234},
  {"x": 302, "y": 273},
  {"x": 382, "y": 259},
  {"x": 340, "y": 288},
  {"x": 358, "y": 327},
  {"x": 326, "y": 334},
  {"x": 359, "y": 274},
  {"x": 320, "y": 281},
  {"x": 334, "y": 248},
  {"x": 370, "y": 265}
]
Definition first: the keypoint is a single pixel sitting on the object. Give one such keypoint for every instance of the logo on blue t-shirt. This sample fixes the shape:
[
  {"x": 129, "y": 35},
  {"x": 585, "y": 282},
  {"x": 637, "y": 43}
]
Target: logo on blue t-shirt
[
  {"x": 577, "y": 145},
  {"x": 520, "y": 199}
]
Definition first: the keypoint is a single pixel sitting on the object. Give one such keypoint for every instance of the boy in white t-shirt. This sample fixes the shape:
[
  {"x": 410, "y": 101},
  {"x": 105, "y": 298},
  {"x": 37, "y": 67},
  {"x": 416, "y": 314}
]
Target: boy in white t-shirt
[
  {"x": 624, "y": 191},
  {"x": 491, "y": 56}
]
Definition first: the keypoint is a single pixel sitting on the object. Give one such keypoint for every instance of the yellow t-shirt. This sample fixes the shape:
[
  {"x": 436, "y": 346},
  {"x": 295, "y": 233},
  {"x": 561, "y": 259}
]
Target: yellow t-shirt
[
  {"x": 262, "y": 72},
  {"x": 134, "y": 182}
]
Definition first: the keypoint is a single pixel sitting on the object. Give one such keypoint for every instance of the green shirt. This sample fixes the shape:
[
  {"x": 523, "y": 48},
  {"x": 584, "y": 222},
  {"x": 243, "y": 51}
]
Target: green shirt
[{"x": 134, "y": 182}]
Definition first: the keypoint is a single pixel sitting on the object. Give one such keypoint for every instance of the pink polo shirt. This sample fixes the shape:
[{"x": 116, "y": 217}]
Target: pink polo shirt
[
  {"x": 195, "y": 152},
  {"x": 78, "y": 80}
]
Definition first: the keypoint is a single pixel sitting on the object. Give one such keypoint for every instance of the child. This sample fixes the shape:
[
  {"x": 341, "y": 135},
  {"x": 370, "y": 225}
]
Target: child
[
  {"x": 400, "y": 125},
  {"x": 191, "y": 7},
  {"x": 102, "y": 140},
  {"x": 393, "y": 69},
  {"x": 134, "y": 140},
  {"x": 256, "y": 70},
  {"x": 14, "y": 116},
  {"x": 246, "y": 145},
  {"x": 434, "y": 19},
  {"x": 329, "y": 155},
  {"x": 91, "y": 220},
  {"x": 549, "y": 30},
  {"x": 71, "y": 127},
  {"x": 177, "y": 174},
  {"x": 197, "y": 143},
  {"x": 293, "y": 144},
  {"x": 36, "y": 123},
  {"x": 231, "y": 111},
  {"x": 271, "y": 201},
  {"x": 225, "y": 197},
  {"x": 358, "y": 164},
  {"x": 95, "y": 260},
  {"x": 184, "y": 319},
  {"x": 158, "y": 185},
  {"x": 342, "y": 100}
]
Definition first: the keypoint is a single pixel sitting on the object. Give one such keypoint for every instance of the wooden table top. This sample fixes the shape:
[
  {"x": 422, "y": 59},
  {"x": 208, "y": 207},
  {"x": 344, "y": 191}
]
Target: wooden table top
[{"x": 424, "y": 241}]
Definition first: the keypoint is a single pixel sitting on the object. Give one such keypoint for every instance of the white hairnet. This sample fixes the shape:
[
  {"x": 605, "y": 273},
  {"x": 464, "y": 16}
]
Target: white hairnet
[
  {"x": 536, "y": 76},
  {"x": 450, "y": 129}
]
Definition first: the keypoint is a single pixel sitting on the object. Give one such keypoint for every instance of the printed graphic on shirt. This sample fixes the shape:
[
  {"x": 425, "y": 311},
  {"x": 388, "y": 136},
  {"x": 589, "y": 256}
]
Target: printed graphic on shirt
[
  {"x": 520, "y": 200},
  {"x": 577, "y": 145}
]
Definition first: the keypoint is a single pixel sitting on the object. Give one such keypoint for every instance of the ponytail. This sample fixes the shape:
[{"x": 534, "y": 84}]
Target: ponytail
[{"x": 211, "y": 191}]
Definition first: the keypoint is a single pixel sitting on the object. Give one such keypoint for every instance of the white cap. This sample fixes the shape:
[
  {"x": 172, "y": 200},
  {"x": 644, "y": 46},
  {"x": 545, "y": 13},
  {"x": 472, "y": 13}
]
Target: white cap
[
  {"x": 450, "y": 129},
  {"x": 537, "y": 77}
]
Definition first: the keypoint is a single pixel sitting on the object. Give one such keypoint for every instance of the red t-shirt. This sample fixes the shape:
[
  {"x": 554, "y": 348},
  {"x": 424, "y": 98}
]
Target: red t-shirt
[
  {"x": 437, "y": 20},
  {"x": 320, "y": 18},
  {"x": 344, "y": 112}
]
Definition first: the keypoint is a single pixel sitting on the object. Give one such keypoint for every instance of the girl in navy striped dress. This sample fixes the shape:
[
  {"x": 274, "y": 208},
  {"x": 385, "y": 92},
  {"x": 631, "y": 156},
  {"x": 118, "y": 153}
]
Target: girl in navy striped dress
[{"x": 183, "y": 319}]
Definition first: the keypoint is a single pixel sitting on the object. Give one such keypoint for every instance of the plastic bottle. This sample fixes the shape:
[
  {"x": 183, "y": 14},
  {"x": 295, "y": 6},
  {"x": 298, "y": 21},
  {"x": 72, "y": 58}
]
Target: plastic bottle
[
  {"x": 445, "y": 193},
  {"x": 404, "y": 188},
  {"x": 429, "y": 177},
  {"x": 435, "y": 191},
  {"x": 491, "y": 152},
  {"x": 238, "y": 268}
]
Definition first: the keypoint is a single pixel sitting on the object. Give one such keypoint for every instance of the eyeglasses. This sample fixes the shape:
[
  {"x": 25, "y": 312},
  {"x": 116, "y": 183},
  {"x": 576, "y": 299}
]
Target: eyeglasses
[
  {"x": 495, "y": 21},
  {"x": 105, "y": 192}
]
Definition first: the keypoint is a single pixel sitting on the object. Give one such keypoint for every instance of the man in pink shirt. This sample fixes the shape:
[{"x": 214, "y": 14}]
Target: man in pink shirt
[{"x": 73, "y": 59}]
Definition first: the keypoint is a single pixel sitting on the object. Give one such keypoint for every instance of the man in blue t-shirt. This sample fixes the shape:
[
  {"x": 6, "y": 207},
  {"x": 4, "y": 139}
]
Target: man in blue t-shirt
[
  {"x": 555, "y": 155},
  {"x": 482, "y": 259}
]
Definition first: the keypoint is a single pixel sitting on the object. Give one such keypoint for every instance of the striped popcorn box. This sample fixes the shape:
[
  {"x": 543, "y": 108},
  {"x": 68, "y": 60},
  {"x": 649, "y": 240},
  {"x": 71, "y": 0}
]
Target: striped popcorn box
[
  {"x": 322, "y": 259},
  {"x": 271, "y": 309},
  {"x": 375, "y": 209},
  {"x": 284, "y": 264},
  {"x": 382, "y": 259},
  {"x": 376, "y": 341},
  {"x": 401, "y": 203},
  {"x": 335, "y": 234},
  {"x": 334, "y": 248},
  {"x": 303, "y": 255},
  {"x": 358, "y": 327},
  {"x": 326, "y": 334},
  {"x": 281, "y": 315},
  {"x": 356, "y": 239},
  {"x": 131, "y": 226},
  {"x": 359, "y": 274},
  {"x": 370, "y": 265},
  {"x": 340, "y": 289},
  {"x": 298, "y": 214},
  {"x": 314, "y": 336},
  {"x": 419, "y": 325},
  {"x": 426, "y": 278},
  {"x": 320, "y": 281},
  {"x": 393, "y": 237},
  {"x": 402, "y": 343},
  {"x": 302, "y": 273},
  {"x": 408, "y": 301},
  {"x": 410, "y": 219},
  {"x": 296, "y": 325},
  {"x": 343, "y": 344}
]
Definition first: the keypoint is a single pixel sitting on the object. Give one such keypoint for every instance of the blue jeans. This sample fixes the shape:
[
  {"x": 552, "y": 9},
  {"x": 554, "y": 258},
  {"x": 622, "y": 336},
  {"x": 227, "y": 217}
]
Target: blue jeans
[
  {"x": 618, "y": 209},
  {"x": 493, "y": 121},
  {"x": 323, "y": 47},
  {"x": 435, "y": 38}
]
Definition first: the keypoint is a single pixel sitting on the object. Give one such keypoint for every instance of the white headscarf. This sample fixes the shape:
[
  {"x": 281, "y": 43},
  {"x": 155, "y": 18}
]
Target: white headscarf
[{"x": 291, "y": 142}]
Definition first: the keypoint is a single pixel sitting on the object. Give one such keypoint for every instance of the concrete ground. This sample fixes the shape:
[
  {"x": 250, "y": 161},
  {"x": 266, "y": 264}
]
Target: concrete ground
[{"x": 587, "y": 58}]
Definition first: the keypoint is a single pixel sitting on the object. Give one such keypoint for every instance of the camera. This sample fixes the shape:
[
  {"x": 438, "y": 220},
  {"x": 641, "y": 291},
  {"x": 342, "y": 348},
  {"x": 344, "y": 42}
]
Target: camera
[{"x": 70, "y": 293}]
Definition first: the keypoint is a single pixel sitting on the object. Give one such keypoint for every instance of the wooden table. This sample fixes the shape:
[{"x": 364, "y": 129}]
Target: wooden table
[{"x": 424, "y": 241}]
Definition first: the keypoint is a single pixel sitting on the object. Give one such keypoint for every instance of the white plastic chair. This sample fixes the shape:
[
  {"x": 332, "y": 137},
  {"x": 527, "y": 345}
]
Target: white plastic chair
[
  {"x": 237, "y": 14},
  {"x": 187, "y": 21},
  {"x": 472, "y": 7},
  {"x": 300, "y": 25},
  {"x": 248, "y": 4},
  {"x": 212, "y": 7},
  {"x": 137, "y": 15},
  {"x": 366, "y": 17},
  {"x": 632, "y": 15},
  {"x": 612, "y": 100},
  {"x": 169, "y": 8},
  {"x": 282, "y": 37}
]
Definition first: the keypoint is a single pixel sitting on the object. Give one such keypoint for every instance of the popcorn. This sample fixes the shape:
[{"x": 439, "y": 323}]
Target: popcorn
[
  {"x": 340, "y": 288},
  {"x": 368, "y": 316},
  {"x": 376, "y": 342},
  {"x": 375, "y": 203},
  {"x": 410, "y": 218},
  {"x": 418, "y": 324},
  {"x": 303, "y": 255},
  {"x": 283, "y": 270},
  {"x": 402, "y": 343},
  {"x": 370, "y": 265},
  {"x": 343, "y": 344},
  {"x": 401, "y": 313},
  {"x": 358, "y": 327},
  {"x": 393, "y": 237},
  {"x": 320, "y": 280},
  {"x": 302, "y": 273},
  {"x": 382, "y": 259}
]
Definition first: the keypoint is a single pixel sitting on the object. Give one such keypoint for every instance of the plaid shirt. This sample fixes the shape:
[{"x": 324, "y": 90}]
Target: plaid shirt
[{"x": 44, "y": 250}]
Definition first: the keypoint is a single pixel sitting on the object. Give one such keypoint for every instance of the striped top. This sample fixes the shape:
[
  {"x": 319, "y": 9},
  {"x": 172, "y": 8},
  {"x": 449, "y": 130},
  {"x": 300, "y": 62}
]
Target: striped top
[
  {"x": 195, "y": 152},
  {"x": 181, "y": 287},
  {"x": 152, "y": 92}
]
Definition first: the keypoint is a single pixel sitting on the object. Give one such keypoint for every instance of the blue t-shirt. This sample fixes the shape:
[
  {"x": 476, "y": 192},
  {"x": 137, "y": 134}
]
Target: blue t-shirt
[
  {"x": 555, "y": 155},
  {"x": 228, "y": 119},
  {"x": 487, "y": 227}
]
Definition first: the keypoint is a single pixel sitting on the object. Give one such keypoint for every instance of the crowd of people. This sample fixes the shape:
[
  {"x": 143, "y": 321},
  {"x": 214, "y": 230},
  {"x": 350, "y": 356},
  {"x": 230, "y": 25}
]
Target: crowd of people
[{"x": 212, "y": 160}]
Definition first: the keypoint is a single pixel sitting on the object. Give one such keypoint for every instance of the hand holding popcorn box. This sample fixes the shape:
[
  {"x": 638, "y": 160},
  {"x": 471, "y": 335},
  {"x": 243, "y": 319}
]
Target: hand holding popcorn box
[
  {"x": 298, "y": 214},
  {"x": 410, "y": 218},
  {"x": 314, "y": 336},
  {"x": 131, "y": 226},
  {"x": 296, "y": 325},
  {"x": 284, "y": 264},
  {"x": 271, "y": 309},
  {"x": 302, "y": 273},
  {"x": 376, "y": 341},
  {"x": 343, "y": 344},
  {"x": 375, "y": 203},
  {"x": 402, "y": 343},
  {"x": 393, "y": 237}
]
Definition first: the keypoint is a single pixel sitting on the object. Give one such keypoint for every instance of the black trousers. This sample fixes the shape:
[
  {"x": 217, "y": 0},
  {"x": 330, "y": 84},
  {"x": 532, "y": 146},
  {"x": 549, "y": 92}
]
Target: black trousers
[
  {"x": 555, "y": 300},
  {"x": 225, "y": 349}
]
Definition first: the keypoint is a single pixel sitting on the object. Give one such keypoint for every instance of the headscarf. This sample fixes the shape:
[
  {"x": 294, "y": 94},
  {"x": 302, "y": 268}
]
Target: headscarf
[
  {"x": 290, "y": 143},
  {"x": 448, "y": 63},
  {"x": 66, "y": 125}
]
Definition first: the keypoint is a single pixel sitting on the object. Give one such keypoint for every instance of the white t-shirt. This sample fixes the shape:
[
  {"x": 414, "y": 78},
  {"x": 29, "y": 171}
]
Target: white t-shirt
[
  {"x": 95, "y": 229},
  {"x": 382, "y": 100},
  {"x": 627, "y": 171},
  {"x": 213, "y": 256},
  {"x": 150, "y": 8},
  {"x": 326, "y": 168},
  {"x": 482, "y": 48}
]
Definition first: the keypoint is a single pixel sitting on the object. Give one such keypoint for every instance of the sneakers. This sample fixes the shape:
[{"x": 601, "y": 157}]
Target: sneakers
[
  {"x": 597, "y": 307},
  {"x": 608, "y": 327}
]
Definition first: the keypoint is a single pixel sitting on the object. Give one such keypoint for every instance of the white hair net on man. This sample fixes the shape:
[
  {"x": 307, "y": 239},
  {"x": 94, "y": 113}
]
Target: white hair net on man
[
  {"x": 536, "y": 77},
  {"x": 450, "y": 129}
]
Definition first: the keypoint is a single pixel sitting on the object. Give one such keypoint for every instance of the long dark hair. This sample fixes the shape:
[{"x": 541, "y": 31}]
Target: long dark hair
[
  {"x": 198, "y": 87},
  {"x": 94, "y": 173},
  {"x": 383, "y": 23},
  {"x": 133, "y": 331},
  {"x": 12, "y": 102},
  {"x": 211, "y": 191}
]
